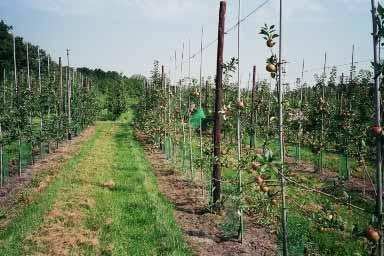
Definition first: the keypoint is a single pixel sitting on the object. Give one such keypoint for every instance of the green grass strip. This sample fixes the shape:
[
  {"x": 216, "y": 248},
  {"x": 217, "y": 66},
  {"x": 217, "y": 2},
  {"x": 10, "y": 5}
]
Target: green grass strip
[
  {"x": 12, "y": 239},
  {"x": 133, "y": 218}
]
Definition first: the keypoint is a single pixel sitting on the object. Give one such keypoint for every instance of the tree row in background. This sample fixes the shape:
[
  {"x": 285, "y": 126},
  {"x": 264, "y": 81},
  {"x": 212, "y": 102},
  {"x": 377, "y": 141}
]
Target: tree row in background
[{"x": 44, "y": 102}]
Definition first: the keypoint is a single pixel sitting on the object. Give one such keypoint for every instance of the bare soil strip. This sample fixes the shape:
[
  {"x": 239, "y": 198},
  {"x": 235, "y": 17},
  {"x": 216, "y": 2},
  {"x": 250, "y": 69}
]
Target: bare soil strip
[
  {"x": 354, "y": 184},
  {"x": 200, "y": 227}
]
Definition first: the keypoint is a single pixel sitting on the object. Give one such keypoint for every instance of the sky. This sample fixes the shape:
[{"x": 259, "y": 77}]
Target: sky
[{"x": 127, "y": 35}]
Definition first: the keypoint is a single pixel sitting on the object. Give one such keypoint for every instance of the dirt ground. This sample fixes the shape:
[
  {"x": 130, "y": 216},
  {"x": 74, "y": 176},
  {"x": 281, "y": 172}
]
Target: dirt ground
[
  {"x": 354, "y": 184},
  {"x": 199, "y": 226}
]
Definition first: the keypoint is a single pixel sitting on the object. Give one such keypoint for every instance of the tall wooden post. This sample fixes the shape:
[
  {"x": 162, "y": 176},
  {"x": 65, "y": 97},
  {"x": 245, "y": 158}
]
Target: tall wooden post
[
  {"x": 253, "y": 110},
  {"x": 29, "y": 87},
  {"x": 206, "y": 95},
  {"x": 69, "y": 98},
  {"x": 300, "y": 133},
  {"x": 41, "y": 108},
  {"x": 377, "y": 122},
  {"x": 200, "y": 107},
  {"x": 322, "y": 134},
  {"x": 281, "y": 139},
  {"x": 162, "y": 76},
  {"x": 17, "y": 92},
  {"x": 59, "y": 103},
  {"x": 29, "y": 81},
  {"x": 352, "y": 64},
  {"x": 28, "y": 70},
  {"x": 1, "y": 138},
  {"x": 216, "y": 175},
  {"x": 162, "y": 112},
  {"x": 238, "y": 130}
]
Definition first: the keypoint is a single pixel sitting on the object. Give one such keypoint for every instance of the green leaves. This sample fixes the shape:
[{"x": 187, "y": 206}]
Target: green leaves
[
  {"x": 268, "y": 32},
  {"x": 272, "y": 59},
  {"x": 380, "y": 22},
  {"x": 230, "y": 66},
  {"x": 378, "y": 68},
  {"x": 380, "y": 11},
  {"x": 264, "y": 32},
  {"x": 274, "y": 36}
]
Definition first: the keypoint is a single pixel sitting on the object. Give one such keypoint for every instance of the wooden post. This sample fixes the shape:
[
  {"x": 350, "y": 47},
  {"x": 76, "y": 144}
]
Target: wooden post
[
  {"x": 300, "y": 133},
  {"x": 28, "y": 72},
  {"x": 49, "y": 100},
  {"x": 322, "y": 142},
  {"x": 169, "y": 95},
  {"x": 29, "y": 81},
  {"x": 253, "y": 110},
  {"x": 347, "y": 169},
  {"x": 1, "y": 157},
  {"x": 238, "y": 119},
  {"x": 216, "y": 176},
  {"x": 352, "y": 64},
  {"x": 206, "y": 95},
  {"x": 200, "y": 107},
  {"x": 17, "y": 92},
  {"x": 161, "y": 113},
  {"x": 1, "y": 138},
  {"x": 162, "y": 76},
  {"x": 69, "y": 98},
  {"x": 41, "y": 109},
  {"x": 59, "y": 103},
  {"x": 4, "y": 89},
  {"x": 377, "y": 122},
  {"x": 281, "y": 139}
]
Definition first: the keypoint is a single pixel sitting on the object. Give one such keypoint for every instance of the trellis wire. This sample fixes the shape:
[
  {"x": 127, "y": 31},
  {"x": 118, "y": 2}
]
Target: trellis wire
[{"x": 211, "y": 43}]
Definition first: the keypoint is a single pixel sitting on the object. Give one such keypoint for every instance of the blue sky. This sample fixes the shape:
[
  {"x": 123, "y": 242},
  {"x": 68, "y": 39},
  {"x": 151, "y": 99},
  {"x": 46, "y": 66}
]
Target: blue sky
[{"x": 126, "y": 35}]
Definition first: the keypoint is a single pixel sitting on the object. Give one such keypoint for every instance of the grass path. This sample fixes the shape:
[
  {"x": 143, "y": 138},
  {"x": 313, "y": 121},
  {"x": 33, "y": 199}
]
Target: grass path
[{"x": 105, "y": 201}]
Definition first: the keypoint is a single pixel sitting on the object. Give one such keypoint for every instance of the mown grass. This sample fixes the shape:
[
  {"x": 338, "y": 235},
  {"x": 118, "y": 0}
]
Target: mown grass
[
  {"x": 131, "y": 218},
  {"x": 134, "y": 216},
  {"x": 12, "y": 239}
]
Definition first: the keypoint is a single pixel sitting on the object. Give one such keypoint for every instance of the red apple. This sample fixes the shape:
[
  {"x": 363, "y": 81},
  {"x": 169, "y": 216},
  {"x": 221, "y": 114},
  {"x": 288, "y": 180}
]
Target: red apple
[
  {"x": 263, "y": 188},
  {"x": 255, "y": 165},
  {"x": 259, "y": 180},
  {"x": 270, "y": 43},
  {"x": 373, "y": 235},
  {"x": 377, "y": 130},
  {"x": 240, "y": 104},
  {"x": 271, "y": 68}
]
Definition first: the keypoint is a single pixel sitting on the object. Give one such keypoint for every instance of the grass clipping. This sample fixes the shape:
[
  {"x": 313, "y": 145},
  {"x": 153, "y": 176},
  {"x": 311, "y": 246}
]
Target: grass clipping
[
  {"x": 109, "y": 184},
  {"x": 62, "y": 232}
]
